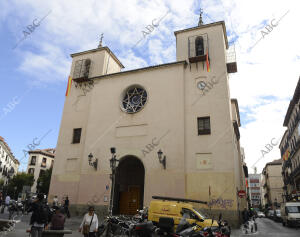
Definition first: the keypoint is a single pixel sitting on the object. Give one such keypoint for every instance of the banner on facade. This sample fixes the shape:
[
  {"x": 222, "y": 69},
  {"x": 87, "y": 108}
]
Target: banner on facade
[{"x": 204, "y": 160}]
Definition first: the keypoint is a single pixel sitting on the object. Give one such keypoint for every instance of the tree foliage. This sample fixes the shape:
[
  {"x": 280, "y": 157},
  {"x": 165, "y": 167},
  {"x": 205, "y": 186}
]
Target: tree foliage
[
  {"x": 43, "y": 182},
  {"x": 16, "y": 184}
]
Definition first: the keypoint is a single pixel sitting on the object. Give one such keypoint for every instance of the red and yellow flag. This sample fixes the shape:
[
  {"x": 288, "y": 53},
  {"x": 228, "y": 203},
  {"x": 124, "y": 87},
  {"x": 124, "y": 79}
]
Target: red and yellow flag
[
  {"x": 207, "y": 61},
  {"x": 286, "y": 155},
  {"x": 69, "y": 85}
]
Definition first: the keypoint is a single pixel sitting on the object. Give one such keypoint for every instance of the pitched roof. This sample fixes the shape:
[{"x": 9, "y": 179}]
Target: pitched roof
[
  {"x": 275, "y": 162},
  {"x": 9, "y": 150},
  {"x": 207, "y": 25},
  {"x": 47, "y": 152}
]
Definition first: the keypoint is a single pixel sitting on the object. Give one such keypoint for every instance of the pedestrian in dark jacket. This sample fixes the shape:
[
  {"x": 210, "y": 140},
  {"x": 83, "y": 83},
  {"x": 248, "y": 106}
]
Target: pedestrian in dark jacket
[
  {"x": 66, "y": 207},
  {"x": 39, "y": 217},
  {"x": 58, "y": 220},
  {"x": 245, "y": 215}
]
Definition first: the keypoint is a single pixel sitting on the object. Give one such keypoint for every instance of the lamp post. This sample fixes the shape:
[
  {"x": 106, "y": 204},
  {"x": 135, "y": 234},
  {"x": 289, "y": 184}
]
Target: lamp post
[{"x": 113, "y": 165}]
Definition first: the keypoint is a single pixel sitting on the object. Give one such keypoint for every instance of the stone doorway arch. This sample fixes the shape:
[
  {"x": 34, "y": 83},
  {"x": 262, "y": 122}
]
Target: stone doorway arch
[{"x": 129, "y": 186}]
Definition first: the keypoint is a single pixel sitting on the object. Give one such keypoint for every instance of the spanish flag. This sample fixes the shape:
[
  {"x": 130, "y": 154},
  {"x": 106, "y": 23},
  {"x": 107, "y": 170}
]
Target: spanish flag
[
  {"x": 69, "y": 85},
  {"x": 207, "y": 61},
  {"x": 286, "y": 155}
]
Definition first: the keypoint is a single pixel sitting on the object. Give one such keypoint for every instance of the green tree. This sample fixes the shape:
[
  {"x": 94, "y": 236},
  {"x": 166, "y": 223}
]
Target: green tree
[
  {"x": 16, "y": 184},
  {"x": 43, "y": 182},
  {"x": 1, "y": 183}
]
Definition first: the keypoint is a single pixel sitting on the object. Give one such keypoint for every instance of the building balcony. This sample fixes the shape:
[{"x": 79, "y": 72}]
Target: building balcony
[
  {"x": 295, "y": 148},
  {"x": 295, "y": 172},
  {"x": 293, "y": 126}
]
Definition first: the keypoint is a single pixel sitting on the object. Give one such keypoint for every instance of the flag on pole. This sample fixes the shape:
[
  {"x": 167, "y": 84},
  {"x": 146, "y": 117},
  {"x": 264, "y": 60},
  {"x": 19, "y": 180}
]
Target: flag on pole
[
  {"x": 207, "y": 62},
  {"x": 69, "y": 85},
  {"x": 286, "y": 155}
]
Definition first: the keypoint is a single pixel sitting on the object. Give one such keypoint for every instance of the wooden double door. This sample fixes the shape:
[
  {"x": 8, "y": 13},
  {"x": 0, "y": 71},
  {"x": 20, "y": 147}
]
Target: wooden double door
[{"x": 130, "y": 200}]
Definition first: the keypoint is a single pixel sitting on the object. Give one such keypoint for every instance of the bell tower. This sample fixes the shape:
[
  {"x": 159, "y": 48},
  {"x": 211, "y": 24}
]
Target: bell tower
[{"x": 205, "y": 44}]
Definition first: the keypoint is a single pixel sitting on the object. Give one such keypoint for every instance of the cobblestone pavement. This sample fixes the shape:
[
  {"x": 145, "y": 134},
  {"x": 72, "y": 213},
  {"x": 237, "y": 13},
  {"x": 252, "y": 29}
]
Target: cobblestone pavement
[
  {"x": 266, "y": 227},
  {"x": 23, "y": 225}
]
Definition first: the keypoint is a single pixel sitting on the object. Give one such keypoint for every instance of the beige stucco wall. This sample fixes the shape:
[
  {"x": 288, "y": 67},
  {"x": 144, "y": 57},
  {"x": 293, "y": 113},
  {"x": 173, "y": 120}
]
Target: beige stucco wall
[
  {"x": 274, "y": 183},
  {"x": 8, "y": 163},
  {"x": 37, "y": 167},
  {"x": 174, "y": 103}
]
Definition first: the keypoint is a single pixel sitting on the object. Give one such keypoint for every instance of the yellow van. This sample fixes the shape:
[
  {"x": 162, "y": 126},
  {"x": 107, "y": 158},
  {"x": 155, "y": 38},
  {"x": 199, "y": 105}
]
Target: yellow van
[{"x": 174, "y": 207}]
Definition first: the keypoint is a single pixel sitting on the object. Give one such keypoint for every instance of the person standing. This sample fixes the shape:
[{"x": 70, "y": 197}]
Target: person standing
[
  {"x": 89, "y": 224},
  {"x": 245, "y": 215},
  {"x": 66, "y": 207},
  {"x": 7, "y": 201},
  {"x": 40, "y": 216},
  {"x": 55, "y": 201}
]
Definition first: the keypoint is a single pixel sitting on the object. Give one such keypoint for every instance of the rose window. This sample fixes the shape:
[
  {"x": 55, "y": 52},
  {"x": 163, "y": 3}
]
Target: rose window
[{"x": 134, "y": 99}]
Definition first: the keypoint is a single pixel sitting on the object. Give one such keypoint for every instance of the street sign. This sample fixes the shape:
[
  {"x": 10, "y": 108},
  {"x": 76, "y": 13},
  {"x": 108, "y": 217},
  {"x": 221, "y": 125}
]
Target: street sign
[{"x": 241, "y": 193}]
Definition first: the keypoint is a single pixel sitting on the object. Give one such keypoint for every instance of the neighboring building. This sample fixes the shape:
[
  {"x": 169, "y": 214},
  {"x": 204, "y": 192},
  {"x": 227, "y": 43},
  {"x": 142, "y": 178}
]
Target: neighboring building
[
  {"x": 245, "y": 201},
  {"x": 262, "y": 191},
  {"x": 290, "y": 148},
  {"x": 9, "y": 165},
  {"x": 273, "y": 184},
  {"x": 38, "y": 162},
  {"x": 179, "y": 108},
  {"x": 254, "y": 191}
]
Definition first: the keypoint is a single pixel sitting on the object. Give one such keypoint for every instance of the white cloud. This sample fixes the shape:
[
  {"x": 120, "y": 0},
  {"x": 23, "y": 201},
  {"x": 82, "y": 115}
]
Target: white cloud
[{"x": 269, "y": 70}]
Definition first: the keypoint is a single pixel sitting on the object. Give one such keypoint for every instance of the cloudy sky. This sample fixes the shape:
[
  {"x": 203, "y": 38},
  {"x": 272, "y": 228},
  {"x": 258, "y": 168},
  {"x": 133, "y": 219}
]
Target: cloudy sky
[{"x": 37, "y": 37}]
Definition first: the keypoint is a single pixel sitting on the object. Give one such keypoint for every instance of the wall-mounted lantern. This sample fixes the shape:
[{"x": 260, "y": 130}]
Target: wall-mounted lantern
[
  {"x": 113, "y": 165},
  {"x": 162, "y": 159},
  {"x": 93, "y": 162}
]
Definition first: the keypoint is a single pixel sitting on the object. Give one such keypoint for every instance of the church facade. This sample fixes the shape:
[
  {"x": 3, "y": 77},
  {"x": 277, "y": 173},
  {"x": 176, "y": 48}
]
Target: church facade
[{"x": 173, "y": 128}]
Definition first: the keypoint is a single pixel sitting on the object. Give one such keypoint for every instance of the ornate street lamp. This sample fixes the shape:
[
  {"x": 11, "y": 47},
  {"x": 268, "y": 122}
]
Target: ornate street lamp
[
  {"x": 91, "y": 162},
  {"x": 113, "y": 165},
  {"x": 162, "y": 159}
]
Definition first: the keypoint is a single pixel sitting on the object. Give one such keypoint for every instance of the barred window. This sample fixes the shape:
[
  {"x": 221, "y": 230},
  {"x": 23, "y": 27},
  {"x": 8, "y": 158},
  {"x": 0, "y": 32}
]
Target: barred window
[
  {"x": 33, "y": 160},
  {"x": 199, "y": 46},
  {"x": 203, "y": 125},
  {"x": 76, "y": 135}
]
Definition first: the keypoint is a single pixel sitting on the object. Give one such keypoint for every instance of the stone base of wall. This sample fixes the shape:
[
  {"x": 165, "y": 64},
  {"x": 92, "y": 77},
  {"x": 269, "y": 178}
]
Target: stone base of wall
[
  {"x": 81, "y": 209},
  {"x": 233, "y": 217}
]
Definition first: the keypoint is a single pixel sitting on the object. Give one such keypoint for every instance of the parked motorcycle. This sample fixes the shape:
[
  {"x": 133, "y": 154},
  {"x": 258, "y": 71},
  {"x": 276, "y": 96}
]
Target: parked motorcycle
[
  {"x": 15, "y": 207},
  {"x": 141, "y": 216},
  {"x": 113, "y": 226}
]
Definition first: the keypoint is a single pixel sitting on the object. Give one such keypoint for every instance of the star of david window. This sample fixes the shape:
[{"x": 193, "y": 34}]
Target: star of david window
[{"x": 134, "y": 99}]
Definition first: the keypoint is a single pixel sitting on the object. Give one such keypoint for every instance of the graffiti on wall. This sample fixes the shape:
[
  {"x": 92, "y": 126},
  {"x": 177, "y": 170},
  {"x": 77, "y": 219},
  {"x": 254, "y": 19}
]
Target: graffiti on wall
[{"x": 221, "y": 203}]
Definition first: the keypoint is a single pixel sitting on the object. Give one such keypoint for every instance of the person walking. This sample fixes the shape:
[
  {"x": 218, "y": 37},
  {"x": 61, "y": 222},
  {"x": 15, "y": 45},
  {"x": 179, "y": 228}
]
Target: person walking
[
  {"x": 89, "y": 224},
  {"x": 40, "y": 216},
  {"x": 66, "y": 207}
]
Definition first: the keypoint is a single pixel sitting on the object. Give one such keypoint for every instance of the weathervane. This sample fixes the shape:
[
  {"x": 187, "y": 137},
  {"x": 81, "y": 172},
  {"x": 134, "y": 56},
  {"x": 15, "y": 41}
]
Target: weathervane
[
  {"x": 100, "y": 43},
  {"x": 200, "y": 17}
]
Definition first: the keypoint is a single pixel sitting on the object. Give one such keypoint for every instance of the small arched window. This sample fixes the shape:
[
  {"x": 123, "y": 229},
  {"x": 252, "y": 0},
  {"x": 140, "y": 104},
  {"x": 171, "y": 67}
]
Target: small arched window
[{"x": 199, "y": 46}]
